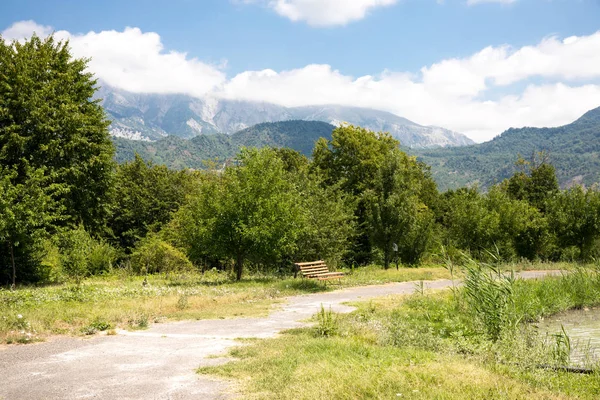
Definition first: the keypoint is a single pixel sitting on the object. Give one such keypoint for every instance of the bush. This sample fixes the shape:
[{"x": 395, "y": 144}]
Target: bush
[
  {"x": 75, "y": 247},
  {"x": 152, "y": 255},
  {"x": 74, "y": 254},
  {"x": 101, "y": 258}
]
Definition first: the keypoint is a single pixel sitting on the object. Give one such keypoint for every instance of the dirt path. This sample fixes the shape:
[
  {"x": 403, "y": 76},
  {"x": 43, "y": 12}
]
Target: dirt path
[{"x": 160, "y": 362}]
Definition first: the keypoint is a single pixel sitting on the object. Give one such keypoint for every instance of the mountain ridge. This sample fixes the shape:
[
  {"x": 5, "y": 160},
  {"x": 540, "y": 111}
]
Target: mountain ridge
[
  {"x": 574, "y": 149},
  {"x": 179, "y": 153},
  {"x": 151, "y": 117}
]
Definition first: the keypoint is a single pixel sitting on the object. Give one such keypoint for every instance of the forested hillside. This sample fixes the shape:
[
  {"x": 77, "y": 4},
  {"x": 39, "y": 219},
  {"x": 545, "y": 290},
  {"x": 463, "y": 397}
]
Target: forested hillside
[
  {"x": 178, "y": 153},
  {"x": 573, "y": 149}
]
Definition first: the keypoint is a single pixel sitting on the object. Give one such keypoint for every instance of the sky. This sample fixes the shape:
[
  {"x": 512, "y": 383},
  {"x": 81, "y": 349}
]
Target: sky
[{"x": 474, "y": 66}]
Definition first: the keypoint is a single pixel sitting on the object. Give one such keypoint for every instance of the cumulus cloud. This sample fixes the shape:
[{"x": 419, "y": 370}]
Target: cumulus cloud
[
  {"x": 467, "y": 94},
  {"x": 133, "y": 60},
  {"x": 326, "y": 12}
]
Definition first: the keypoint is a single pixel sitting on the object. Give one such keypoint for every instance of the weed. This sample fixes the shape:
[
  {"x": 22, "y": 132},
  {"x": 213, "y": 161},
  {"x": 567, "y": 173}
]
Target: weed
[
  {"x": 182, "y": 302},
  {"x": 327, "y": 323},
  {"x": 562, "y": 348}
]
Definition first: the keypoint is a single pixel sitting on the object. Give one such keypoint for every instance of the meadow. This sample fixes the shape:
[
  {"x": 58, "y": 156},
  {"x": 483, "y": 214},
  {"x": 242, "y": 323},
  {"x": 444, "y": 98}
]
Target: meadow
[
  {"x": 129, "y": 301},
  {"x": 476, "y": 342}
]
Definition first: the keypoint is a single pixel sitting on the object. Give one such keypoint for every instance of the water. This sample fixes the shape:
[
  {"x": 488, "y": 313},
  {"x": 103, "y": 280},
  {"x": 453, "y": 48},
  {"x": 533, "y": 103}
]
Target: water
[{"x": 582, "y": 328}]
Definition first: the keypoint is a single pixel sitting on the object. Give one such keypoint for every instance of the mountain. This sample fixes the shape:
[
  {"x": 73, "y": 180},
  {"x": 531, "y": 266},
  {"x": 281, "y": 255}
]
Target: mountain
[
  {"x": 150, "y": 117},
  {"x": 178, "y": 153},
  {"x": 574, "y": 150}
]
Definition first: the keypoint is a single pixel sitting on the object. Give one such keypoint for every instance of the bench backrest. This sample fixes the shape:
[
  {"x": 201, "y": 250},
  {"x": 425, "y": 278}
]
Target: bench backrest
[{"x": 313, "y": 268}]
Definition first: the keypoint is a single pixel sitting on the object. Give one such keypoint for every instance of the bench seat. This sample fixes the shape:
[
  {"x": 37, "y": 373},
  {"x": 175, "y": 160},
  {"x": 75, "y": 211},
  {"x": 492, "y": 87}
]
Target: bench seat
[{"x": 317, "y": 270}]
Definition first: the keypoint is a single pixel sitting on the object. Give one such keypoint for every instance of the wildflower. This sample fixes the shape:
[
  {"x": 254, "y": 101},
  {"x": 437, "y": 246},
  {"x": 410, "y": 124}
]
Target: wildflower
[{"x": 19, "y": 316}]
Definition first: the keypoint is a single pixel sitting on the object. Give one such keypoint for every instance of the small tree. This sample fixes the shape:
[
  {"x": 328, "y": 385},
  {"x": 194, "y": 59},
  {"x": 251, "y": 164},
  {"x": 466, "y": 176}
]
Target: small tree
[{"x": 251, "y": 211}]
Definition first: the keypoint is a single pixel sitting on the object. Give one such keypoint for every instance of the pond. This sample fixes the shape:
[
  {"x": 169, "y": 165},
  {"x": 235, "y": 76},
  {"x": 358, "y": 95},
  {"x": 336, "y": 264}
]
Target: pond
[{"x": 583, "y": 329}]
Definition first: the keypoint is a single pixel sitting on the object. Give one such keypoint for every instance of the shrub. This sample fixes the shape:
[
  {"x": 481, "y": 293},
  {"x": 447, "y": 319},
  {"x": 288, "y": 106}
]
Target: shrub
[
  {"x": 75, "y": 247},
  {"x": 101, "y": 258},
  {"x": 152, "y": 255},
  {"x": 77, "y": 255},
  {"x": 327, "y": 323}
]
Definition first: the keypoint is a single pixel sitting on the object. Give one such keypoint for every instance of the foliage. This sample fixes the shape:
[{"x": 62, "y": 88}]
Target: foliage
[
  {"x": 152, "y": 255},
  {"x": 574, "y": 217},
  {"x": 146, "y": 195},
  {"x": 490, "y": 296},
  {"x": 49, "y": 122},
  {"x": 81, "y": 256},
  {"x": 573, "y": 149},
  {"x": 395, "y": 214},
  {"x": 327, "y": 323},
  {"x": 27, "y": 209}
]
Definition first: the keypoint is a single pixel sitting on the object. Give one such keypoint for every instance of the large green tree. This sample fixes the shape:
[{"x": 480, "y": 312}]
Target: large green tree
[
  {"x": 145, "y": 197},
  {"x": 49, "y": 121},
  {"x": 351, "y": 161},
  {"x": 396, "y": 215},
  {"x": 250, "y": 212}
]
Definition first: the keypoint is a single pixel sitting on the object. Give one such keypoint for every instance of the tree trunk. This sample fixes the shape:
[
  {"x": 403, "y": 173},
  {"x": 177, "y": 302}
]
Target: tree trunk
[
  {"x": 386, "y": 259},
  {"x": 14, "y": 267},
  {"x": 239, "y": 266}
]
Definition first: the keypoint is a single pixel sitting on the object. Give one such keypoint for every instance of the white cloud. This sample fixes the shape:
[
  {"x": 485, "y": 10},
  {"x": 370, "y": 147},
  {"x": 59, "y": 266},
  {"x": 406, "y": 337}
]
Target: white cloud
[
  {"x": 133, "y": 60},
  {"x": 324, "y": 12},
  {"x": 24, "y": 29},
  {"x": 461, "y": 94}
]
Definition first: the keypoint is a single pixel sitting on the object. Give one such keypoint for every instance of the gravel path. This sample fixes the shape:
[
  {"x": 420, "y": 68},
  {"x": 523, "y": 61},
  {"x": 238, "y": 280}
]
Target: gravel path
[{"x": 160, "y": 362}]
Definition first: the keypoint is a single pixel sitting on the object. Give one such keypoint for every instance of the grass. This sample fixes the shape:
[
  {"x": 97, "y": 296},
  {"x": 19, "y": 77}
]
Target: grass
[
  {"x": 423, "y": 346},
  {"x": 122, "y": 301}
]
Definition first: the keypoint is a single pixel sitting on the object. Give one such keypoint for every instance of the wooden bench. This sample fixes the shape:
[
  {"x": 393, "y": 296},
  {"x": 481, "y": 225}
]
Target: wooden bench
[{"x": 317, "y": 270}]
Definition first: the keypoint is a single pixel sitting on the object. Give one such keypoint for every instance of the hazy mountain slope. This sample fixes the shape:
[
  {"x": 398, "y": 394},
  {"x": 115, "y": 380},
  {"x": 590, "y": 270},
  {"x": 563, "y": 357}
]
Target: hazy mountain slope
[
  {"x": 179, "y": 153},
  {"x": 409, "y": 133},
  {"x": 574, "y": 150},
  {"x": 153, "y": 116}
]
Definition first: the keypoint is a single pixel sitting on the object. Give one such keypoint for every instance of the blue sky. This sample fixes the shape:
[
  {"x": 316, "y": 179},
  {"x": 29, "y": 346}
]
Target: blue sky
[{"x": 236, "y": 48}]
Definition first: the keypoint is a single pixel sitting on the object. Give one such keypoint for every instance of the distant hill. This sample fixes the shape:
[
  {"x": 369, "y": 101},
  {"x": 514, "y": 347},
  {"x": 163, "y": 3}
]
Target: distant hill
[
  {"x": 150, "y": 117},
  {"x": 179, "y": 153},
  {"x": 574, "y": 150}
]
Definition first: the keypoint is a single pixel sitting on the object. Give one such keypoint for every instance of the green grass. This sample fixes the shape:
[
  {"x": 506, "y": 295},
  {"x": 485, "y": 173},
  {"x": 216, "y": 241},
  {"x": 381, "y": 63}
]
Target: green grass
[
  {"x": 420, "y": 347},
  {"x": 122, "y": 301}
]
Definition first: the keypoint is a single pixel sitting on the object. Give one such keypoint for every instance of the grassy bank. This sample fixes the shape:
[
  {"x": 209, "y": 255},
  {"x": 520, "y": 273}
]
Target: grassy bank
[
  {"x": 119, "y": 300},
  {"x": 433, "y": 345}
]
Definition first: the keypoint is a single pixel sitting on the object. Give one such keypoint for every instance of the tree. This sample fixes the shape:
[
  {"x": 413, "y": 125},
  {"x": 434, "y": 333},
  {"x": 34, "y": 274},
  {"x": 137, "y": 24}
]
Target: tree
[
  {"x": 574, "y": 216},
  {"x": 351, "y": 160},
  {"x": 328, "y": 224},
  {"x": 537, "y": 186},
  {"x": 394, "y": 210},
  {"x": 145, "y": 197},
  {"x": 49, "y": 122},
  {"x": 249, "y": 212},
  {"x": 470, "y": 224},
  {"x": 26, "y": 211},
  {"x": 352, "y": 157}
]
